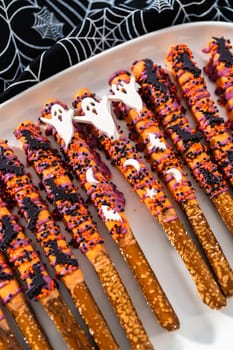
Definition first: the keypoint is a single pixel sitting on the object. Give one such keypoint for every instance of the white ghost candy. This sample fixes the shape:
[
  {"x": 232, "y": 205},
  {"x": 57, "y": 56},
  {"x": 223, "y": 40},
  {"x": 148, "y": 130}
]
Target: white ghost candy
[
  {"x": 127, "y": 93},
  {"x": 98, "y": 114},
  {"x": 62, "y": 121}
]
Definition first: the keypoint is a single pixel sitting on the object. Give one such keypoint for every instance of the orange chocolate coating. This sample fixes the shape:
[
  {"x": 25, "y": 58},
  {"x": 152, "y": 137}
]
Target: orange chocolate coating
[
  {"x": 76, "y": 217},
  {"x": 82, "y": 158},
  {"x": 119, "y": 150},
  {"x": 12, "y": 296},
  {"x": 203, "y": 108},
  {"x": 163, "y": 159},
  {"x": 160, "y": 95},
  {"x": 219, "y": 69},
  {"x": 21, "y": 189}
]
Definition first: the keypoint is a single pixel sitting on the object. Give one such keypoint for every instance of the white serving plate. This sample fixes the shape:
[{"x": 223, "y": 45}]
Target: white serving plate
[{"x": 201, "y": 328}]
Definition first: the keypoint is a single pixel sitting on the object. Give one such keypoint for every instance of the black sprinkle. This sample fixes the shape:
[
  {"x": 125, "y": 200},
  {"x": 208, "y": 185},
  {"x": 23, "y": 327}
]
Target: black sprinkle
[
  {"x": 62, "y": 258},
  {"x": 59, "y": 192},
  {"x": 185, "y": 135},
  {"x": 6, "y": 165},
  {"x": 230, "y": 156},
  {"x": 225, "y": 55},
  {"x": 212, "y": 119},
  {"x": 32, "y": 211},
  {"x": 8, "y": 232},
  {"x": 210, "y": 178},
  {"x": 188, "y": 65},
  {"x": 37, "y": 282},
  {"x": 5, "y": 276},
  {"x": 34, "y": 143},
  {"x": 151, "y": 77}
]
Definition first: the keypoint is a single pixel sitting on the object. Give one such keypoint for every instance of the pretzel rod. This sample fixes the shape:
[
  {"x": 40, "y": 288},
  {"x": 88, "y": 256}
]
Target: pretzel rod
[
  {"x": 26, "y": 261},
  {"x": 102, "y": 192},
  {"x": 169, "y": 168},
  {"x": 8, "y": 340},
  {"x": 203, "y": 107},
  {"x": 160, "y": 95},
  {"x": 150, "y": 191},
  {"x": 13, "y": 298},
  {"x": 61, "y": 257},
  {"x": 70, "y": 205},
  {"x": 40, "y": 286},
  {"x": 48, "y": 234},
  {"x": 219, "y": 69}
]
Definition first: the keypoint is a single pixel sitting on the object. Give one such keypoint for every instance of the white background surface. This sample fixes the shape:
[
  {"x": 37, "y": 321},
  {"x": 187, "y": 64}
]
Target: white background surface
[{"x": 201, "y": 328}]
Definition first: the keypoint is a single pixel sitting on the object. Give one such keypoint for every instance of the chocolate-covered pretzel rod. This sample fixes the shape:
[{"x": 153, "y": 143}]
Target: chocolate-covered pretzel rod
[
  {"x": 219, "y": 69},
  {"x": 202, "y": 106},
  {"x": 150, "y": 191},
  {"x": 12, "y": 296},
  {"x": 102, "y": 192},
  {"x": 48, "y": 234},
  {"x": 160, "y": 94},
  {"x": 8, "y": 340},
  {"x": 25, "y": 259},
  {"x": 69, "y": 204},
  {"x": 169, "y": 168}
]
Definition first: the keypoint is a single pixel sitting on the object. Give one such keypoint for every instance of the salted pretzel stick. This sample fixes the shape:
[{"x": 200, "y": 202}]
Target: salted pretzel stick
[
  {"x": 203, "y": 107},
  {"x": 12, "y": 296},
  {"x": 48, "y": 234},
  {"x": 8, "y": 340},
  {"x": 61, "y": 258},
  {"x": 169, "y": 168},
  {"x": 63, "y": 193},
  {"x": 150, "y": 191},
  {"x": 219, "y": 69},
  {"x": 102, "y": 192},
  {"x": 26, "y": 261},
  {"x": 160, "y": 95}
]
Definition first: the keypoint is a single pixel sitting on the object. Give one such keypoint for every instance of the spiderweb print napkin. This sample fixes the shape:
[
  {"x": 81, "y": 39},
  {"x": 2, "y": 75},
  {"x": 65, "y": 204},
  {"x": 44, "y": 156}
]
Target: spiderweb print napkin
[{"x": 40, "y": 38}]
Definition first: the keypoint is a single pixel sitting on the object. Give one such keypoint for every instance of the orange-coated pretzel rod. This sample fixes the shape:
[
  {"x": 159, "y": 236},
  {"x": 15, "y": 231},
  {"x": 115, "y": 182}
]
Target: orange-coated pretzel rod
[
  {"x": 202, "y": 106},
  {"x": 8, "y": 340},
  {"x": 160, "y": 95},
  {"x": 12, "y": 296},
  {"x": 150, "y": 191},
  {"x": 219, "y": 69},
  {"x": 169, "y": 168},
  {"x": 101, "y": 191},
  {"x": 48, "y": 234},
  {"x": 69, "y": 204},
  {"x": 25, "y": 259}
]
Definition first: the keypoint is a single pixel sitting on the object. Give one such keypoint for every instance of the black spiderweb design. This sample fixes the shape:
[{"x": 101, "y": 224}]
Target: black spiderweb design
[{"x": 78, "y": 29}]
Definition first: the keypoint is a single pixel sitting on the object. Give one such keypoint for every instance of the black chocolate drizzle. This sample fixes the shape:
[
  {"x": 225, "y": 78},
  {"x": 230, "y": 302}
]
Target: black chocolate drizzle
[
  {"x": 37, "y": 282},
  {"x": 5, "y": 276},
  {"x": 225, "y": 55},
  {"x": 32, "y": 211},
  {"x": 212, "y": 119},
  {"x": 185, "y": 135},
  {"x": 60, "y": 193},
  {"x": 8, "y": 232},
  {"x": 61, "y": 258},
  {"x": 230, "y": 156},
  {"x": 6, "y": 165},
  {"x": 152, "y": 78},
  {"x": 210, "y": 178},
  {"x": 188, "y": 65},
  {"x": 35, "y": 143}
]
